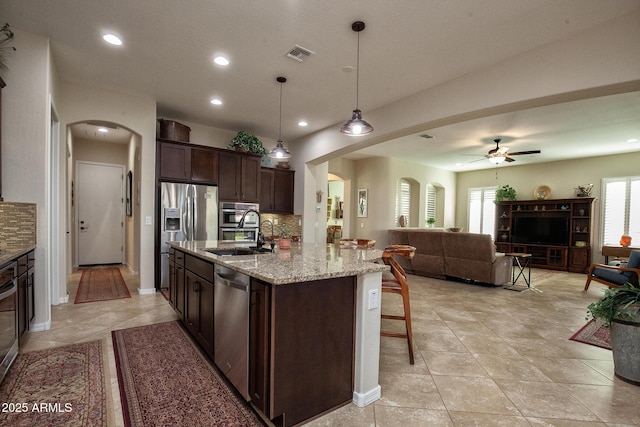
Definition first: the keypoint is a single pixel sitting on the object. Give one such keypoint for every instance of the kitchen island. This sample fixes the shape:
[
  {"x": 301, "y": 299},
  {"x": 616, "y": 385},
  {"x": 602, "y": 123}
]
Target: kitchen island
[{"x": 313, "y": 328}]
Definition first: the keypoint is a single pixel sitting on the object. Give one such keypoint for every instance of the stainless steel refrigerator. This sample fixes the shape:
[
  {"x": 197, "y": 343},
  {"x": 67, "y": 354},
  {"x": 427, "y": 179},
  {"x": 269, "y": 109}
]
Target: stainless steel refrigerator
[{"x": 187, "y": 212}]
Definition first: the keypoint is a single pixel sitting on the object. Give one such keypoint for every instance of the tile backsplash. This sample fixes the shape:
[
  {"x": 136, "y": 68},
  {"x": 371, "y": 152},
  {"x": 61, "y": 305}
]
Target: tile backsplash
[
  {"x": 17, "y": 224},
  {"x": 292, "y": 221}
]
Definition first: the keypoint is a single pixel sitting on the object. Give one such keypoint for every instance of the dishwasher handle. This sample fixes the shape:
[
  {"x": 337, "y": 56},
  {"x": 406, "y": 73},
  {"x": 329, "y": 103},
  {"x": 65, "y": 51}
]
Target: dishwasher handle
[{"x": 228, "y": 281}]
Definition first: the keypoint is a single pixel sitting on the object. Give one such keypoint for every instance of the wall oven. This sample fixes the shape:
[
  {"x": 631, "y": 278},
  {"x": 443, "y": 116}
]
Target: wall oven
[
  {"x": 230, "y": 215},
  {"x": 8, "y": 317}
]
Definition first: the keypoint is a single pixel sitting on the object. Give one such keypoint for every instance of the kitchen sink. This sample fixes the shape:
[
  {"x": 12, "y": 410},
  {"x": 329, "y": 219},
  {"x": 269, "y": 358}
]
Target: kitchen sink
[{"x": 238, "y": 251}]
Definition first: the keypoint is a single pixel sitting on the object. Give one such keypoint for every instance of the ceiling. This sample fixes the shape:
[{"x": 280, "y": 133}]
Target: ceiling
[{"x": 168, "y": 50}]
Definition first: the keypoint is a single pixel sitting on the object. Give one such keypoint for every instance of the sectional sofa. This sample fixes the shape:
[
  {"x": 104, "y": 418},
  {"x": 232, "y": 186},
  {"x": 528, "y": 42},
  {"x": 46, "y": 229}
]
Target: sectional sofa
[{"x": 443, "y": 254}]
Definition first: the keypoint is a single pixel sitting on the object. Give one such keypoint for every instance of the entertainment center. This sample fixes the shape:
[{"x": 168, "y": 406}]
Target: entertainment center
[{"x": 557, "y": 233}]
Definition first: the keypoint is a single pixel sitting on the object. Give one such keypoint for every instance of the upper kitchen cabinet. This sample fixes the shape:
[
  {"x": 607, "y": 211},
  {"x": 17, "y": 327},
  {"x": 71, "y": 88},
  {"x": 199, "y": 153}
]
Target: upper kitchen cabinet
[
  {"x": 239, "y": 176},
  {"x": 276, "y": 191},
  {"x": 189, "y": 163}
]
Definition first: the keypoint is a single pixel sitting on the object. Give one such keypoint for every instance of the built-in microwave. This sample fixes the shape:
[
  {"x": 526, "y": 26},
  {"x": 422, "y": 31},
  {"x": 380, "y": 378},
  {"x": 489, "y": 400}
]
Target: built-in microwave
[{"x": 231, "y": 214}]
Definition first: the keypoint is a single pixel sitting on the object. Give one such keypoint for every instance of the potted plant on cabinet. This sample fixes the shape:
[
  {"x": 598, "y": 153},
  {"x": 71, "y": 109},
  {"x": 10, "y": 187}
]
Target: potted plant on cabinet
[
  {"x": 506, "y": 192},
  {"x": 619, "y": 309},
  {"x": 285, "y": 237},
  {"x": 244, "y": 141}
]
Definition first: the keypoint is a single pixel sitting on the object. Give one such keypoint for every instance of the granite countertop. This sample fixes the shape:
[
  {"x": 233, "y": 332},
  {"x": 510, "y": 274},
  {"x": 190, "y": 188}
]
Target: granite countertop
[
  {"x": 303, "y": 262},
  {"x": 14, "y": 252}
]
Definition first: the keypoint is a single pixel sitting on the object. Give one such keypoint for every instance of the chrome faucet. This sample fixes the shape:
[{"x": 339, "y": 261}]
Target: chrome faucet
[
  {"x": 272, "y": 243},
  {"x": 260, "y": 241}
]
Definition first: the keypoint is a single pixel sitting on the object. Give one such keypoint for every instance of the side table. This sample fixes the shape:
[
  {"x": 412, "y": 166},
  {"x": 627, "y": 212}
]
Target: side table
[{"x": 522, "y": 264}]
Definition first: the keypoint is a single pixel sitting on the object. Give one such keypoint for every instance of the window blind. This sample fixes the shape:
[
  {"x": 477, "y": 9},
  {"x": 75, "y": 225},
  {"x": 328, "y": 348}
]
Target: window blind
[
  {"x": 403, "y": 200},
  {"x": 430, "y": 210},
  {"x": 482, "y": 210},
  {"x": 621, "y": 200}
]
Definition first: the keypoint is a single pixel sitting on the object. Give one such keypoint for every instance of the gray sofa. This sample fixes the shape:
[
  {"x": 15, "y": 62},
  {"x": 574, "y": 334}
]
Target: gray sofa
[{"x": 443, "y": 254}]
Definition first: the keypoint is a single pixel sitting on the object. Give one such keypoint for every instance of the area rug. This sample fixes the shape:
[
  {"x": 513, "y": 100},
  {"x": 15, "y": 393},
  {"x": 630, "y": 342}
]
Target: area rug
[
  {"x": 594, "y": 333},
  {"x": 101, "y": 284},
  {"x": 61, "y": 386},
  {"x": 165, "y": 379}
]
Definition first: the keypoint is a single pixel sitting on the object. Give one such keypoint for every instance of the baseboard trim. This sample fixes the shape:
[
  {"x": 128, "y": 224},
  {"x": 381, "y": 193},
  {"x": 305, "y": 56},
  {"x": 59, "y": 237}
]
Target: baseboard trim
[
  {"x": 364, "y": 399},
  {"x": 39, "y": 327},
  {"x": 146, "y": 291}
]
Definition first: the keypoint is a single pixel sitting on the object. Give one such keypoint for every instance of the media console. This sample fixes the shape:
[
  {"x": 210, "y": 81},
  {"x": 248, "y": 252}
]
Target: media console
[{"x": 557, "y": 233}]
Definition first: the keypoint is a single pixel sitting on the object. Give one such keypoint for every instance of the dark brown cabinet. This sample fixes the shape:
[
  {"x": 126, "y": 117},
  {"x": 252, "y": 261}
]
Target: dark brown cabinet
[
  {"x": 259, "y": 345},
  {"x": 2, "y": 85},
  {"x": 199, "y": 301},
  {"x": 239, "y": 176},
  {"x": 276, "y": 191},
  {"x": 184, "y": 162},
  {"x": 26, "y": 308},
  {"x": 176, "y": 281},
  {"x": 572, "y": 220}
]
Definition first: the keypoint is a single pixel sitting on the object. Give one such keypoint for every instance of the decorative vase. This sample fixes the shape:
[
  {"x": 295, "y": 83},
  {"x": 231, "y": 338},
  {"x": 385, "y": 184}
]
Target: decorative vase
[{"x": 284, "y": 243}]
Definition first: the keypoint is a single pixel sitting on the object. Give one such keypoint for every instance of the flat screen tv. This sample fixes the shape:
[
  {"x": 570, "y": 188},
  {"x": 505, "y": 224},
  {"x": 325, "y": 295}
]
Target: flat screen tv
[{"x": 541, "y": 230}]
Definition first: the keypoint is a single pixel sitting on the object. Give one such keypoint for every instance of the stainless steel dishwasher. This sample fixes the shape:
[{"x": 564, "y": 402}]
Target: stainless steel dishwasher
[{"x": 231, "y": 326}]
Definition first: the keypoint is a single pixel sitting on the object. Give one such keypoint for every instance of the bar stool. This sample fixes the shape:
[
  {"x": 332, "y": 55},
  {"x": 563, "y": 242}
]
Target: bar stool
[{"x": 397, "y": 284}]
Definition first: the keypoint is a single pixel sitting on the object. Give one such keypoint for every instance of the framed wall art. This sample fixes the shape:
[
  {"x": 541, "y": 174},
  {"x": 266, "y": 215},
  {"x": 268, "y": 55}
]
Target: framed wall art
[{"x": 362, "y": 202}]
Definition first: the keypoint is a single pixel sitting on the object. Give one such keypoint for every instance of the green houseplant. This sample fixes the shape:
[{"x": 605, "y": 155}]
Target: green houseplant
[
  {"x": 285, "y": 236},
  {"x": 619, "y": 309},
  {"x": 431, "y": 222},
  {"x": 244, "y": 141},
  {"x": 506, "y": 192}
]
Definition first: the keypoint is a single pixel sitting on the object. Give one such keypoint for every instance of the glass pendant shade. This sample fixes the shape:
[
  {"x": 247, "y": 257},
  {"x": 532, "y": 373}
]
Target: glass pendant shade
[
  {"x": 356, "y": 126},
  {"x": 279, "y": 152},
  {"x": 497, "y": 159}
]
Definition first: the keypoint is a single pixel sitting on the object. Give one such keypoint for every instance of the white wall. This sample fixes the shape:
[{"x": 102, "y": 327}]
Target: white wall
[
  {"x": 562, "y": 177},
  {"x": 26, "y": 111}
]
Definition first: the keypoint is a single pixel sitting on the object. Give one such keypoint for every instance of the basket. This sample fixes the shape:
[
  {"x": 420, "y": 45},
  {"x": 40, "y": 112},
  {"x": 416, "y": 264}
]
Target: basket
[{"x": 173, "y": 130}]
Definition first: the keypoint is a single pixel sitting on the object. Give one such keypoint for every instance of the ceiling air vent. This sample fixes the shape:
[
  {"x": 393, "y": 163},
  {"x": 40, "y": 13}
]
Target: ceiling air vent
[
  {"x": 299, "y": 53},
  {"x": 426, "y": 136}
]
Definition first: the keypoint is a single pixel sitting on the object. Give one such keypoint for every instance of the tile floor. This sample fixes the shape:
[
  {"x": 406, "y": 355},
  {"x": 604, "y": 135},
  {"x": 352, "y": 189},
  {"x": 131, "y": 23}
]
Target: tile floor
[{"x": 484, "y": 356}]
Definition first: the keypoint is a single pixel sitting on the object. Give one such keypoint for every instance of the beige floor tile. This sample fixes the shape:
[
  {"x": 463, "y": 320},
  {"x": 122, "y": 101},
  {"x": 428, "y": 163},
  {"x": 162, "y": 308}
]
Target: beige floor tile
[
  {"x": 409, "y": 391},
  {"x": 500, "y": 366},
  {"x": 460, "y": 364},
  {"x": 545, "y": 400},
  {"x": 469, "y": 394},
  {"x": 571, "y": 371},
  {"x": 411, "y": 417},
  {"x": 615, "y": 403},
  {"x": 474, "y": 419}
]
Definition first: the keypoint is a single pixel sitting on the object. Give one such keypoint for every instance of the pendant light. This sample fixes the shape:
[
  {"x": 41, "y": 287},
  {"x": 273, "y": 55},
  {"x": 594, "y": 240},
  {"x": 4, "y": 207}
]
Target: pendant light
[
  {"x": 280, "y": 152},
  {"x": 356, "y": 126}
]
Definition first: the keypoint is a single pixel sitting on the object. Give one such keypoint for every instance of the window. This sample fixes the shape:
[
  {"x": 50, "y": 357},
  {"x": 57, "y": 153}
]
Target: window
[
  {"x": 430, "y": 210},
  {"x": 621, "y": 210},
  {"x": 482, "y": 210},
  {"x": 403, "y": 200}
]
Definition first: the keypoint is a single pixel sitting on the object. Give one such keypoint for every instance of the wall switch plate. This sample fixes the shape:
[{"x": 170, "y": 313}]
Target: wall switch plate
[
  {"x": 373, "y": 299},
  {"x": 148, "y": 220}
]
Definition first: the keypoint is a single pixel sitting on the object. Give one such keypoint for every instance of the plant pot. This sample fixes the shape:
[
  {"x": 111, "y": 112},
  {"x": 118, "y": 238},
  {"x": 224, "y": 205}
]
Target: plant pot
[
  {"x": 625, "y": 345},
  {"x": 284, "y": 243}
]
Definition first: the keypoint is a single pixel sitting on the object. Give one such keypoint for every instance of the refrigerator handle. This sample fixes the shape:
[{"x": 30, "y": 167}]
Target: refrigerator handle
[{"x": 189, "y": 213}]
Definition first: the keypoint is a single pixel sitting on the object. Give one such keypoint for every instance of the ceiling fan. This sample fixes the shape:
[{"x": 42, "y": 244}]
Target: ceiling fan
[{"x": 500, "y": 154}]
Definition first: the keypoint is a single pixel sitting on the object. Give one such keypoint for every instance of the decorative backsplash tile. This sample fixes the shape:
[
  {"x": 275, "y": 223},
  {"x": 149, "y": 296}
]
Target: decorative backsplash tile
[
  {"x": 17, "y": 224},
  {"x": 292, "y": 222}
]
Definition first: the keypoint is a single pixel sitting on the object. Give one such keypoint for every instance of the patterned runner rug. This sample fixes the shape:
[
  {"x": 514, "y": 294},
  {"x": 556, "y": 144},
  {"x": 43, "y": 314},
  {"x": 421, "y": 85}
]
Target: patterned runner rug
[
  {"x": 165, "y": 379},
  {"x": 594, "y": 333},
  {"x": 101, "y": 284},
  {"x": 61, "y": 386}
]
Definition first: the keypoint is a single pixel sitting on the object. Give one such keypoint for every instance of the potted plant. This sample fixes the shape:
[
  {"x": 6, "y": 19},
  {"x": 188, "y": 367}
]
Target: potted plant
[
  {"x": 506, "y": 192},
  {"x": 431, "y": 222},
  {"x": 619, "y": 309},
  {"x": 285, "y": 236},
  {"x": 244, "y": 141}
]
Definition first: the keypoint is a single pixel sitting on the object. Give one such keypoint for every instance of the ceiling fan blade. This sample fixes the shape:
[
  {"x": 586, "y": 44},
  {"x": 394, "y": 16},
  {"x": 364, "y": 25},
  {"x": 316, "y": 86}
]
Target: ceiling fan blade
[
  {"x": 525, "y": 152},
  {"x": 509, "y": 159}
]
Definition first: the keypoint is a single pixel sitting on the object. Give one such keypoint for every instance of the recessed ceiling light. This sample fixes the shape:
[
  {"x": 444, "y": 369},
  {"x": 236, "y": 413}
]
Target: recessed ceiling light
[
  {"x": 302, "y": 123},
  {"x": 112, "y": 39},
  {"x": 103, "y": 130},
  {"x": 221, "y": 60},
  {"x": 216, "y": 101},
  {"x": 632, "y": 140}
]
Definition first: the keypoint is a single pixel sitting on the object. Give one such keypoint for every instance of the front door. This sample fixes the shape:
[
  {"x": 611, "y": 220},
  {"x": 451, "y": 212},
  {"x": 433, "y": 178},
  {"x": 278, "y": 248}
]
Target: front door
[{"x": 100, "y": 217}]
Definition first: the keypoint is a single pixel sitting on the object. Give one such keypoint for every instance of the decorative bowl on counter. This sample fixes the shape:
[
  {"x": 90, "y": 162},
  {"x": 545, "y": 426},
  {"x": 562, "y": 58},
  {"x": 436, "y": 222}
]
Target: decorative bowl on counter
[{"x": 454, "y": 229}]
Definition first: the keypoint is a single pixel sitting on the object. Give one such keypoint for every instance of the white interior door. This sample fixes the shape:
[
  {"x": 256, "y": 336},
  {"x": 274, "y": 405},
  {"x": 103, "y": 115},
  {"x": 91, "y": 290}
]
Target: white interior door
[{"x": 100, "y": 216}]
